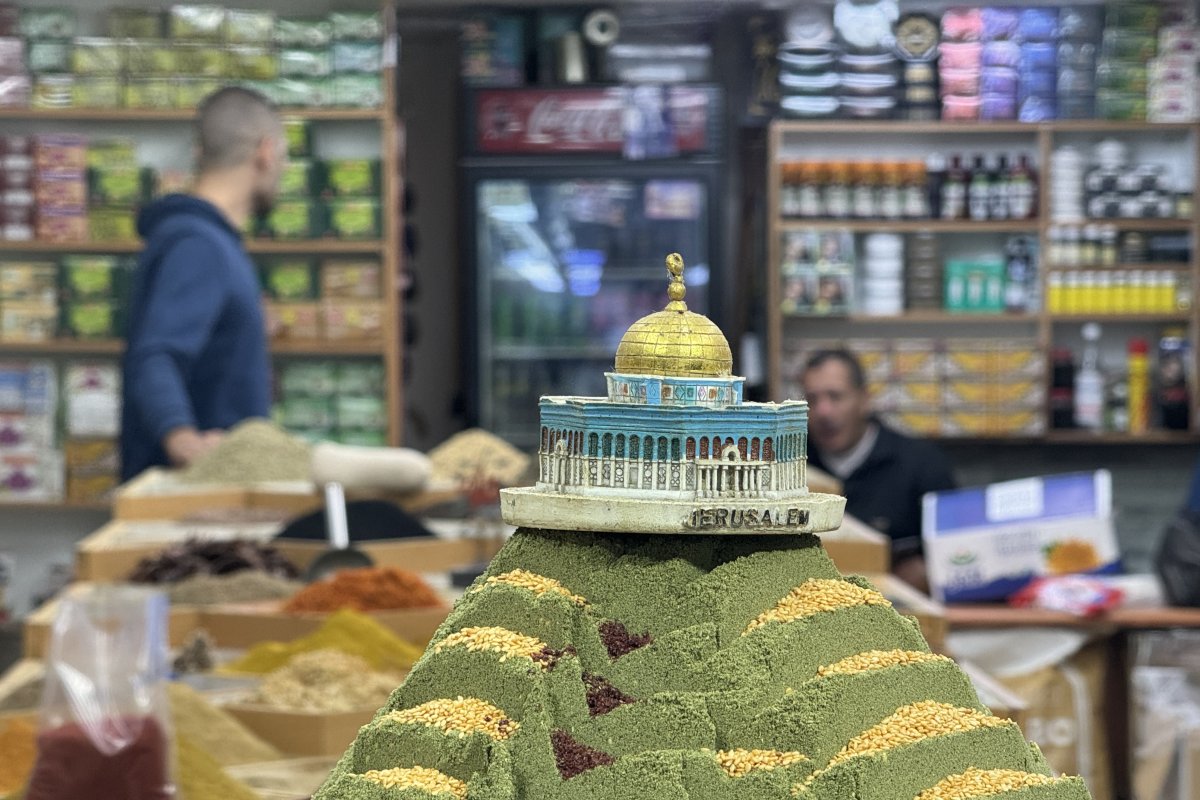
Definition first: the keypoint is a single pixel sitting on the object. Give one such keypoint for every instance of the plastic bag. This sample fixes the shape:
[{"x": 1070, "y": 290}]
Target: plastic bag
[
  {"x": 105, "y": 720},
  {"x": 1165, "y": 715}
]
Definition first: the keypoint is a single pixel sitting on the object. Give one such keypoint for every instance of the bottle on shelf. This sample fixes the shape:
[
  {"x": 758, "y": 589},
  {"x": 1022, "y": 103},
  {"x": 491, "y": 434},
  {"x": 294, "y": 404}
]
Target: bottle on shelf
[
  {"x": 1018, "y": 278},
  {"x": 789, "y": 189},
  {"x": 1139, "y": 386},
  {"x": 914, "y": 197},
  {"x": 1089, "y": 382},
  {"x": 1171, "y": 391},
  {"x": 935, "y": 182},
  {"x": 809, "y": 195},
  {"x": 863, "y": 196},
  {"x": 837, "y": 191},
  {"x": 954, "y": 190},
  {"x": 998, "y": 190},
  {"x": 979, "y": 191},
  {"x": 1062, "y": 389},
  {"x": 890, "y": 199},
  {"x": 1116, "y": 409},
  {"x": 1022, "y": 190}
]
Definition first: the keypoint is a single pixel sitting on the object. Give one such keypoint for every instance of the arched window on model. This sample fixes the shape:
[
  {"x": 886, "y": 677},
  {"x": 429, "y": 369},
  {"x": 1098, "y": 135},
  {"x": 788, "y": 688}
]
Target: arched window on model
[
  {"x": 608, "y": 445},
  {"x": 743, "y": 448},
  {"x": 676, "y": 450},
  {"x": 704, "y": 447},
  {"x": 768, "y": 449},
  {"x": 691, "y": 448},
  {"x": 662, "y": 448},
  {"x": 620, "y": 451},
  {"x": 545, "y": 439},
  {"x": 755, "y": 449},
  {"x": 635, "y": 447},
  {"x": 593, "y": 445}
]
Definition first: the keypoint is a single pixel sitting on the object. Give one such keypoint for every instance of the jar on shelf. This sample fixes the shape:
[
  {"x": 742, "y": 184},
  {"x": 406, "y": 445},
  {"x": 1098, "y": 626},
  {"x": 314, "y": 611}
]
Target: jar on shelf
[
  {"x": 811, "y": 206},
  {"x": 838, "y": 203},
  {"x": 864, "y": 200},
  {"x": 889, "y": 198},
  {"x": 1109, "y": 253},
  {"x": 915, "y": 200}
]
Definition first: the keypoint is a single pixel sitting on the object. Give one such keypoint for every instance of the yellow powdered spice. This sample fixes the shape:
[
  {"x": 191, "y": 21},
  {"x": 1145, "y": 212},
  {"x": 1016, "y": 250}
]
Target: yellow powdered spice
[
  {"x": 424, "y": 778},
  {"x": 983, "y": 783},
  {"x": 215, "y": 731},
  {"x": 463, "y": 715},
  {"x": 18, "y": 751},
  {"x": 738, "y": 763},
  {"x": 500, "y": 640},
  {"x": 877, "y": 659},
  {"x": 201, "y": 777},
  {"x": 816, "y": 595},
  {"x": 347, "y": 631},
  {"x": 538, "y": 584}
]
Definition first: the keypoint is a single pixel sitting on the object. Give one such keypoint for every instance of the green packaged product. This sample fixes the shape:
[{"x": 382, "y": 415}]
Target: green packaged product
[
  {"x": 201, "y": 60},
  {"x": 112, "y": 152},
  {"x": 296, "y": 179},
  {"x": 53, "y": 91},
  {"x": 49, "y": 57},
  {"x": 151, "y": 93},
  {"x": 360, "y": 25},
  {"x": 47, "y": 23},
  {"x": 309, "y": 379},
  {"x": 93, "y": 55},
  {"x": 307, "y": 412},
  {"x": 1120, "y": 105},
  {"x": 96, "y": 91},
  {"x": 1138, "y": 17},
  {"x": 252, "y": 63},
  {"x": 357, "y": 56},
  {"x": 151, "y": 57},
  {"x": 133, "y": 23},
  {"x": 305, "y": 63},
  {"x": 355, "y": 90},
  {"x": 358, "y": 279},
  {"x": 112, "y": 223},
  {"x": 290, "y": 219},
  {"x": 298, "y": 135},
  {"x": 354, "y": 218},
  {"x": 362, "y": 438},
  {"x": 196, "y": 22},
  {"x": 303, "y": 92},
  {"x": 1122, "y": 76},
  {"x": 1125, "y": 45},
  {"x": 290, "y": 280},
  {"x": 91, "y": 320},
  {"x": 360, "y": 379},
  {"x": 292, "y": 32},
  {"x": 190, "y": 92},
  {"x": 360, "y": 412},
  {"x": 119, "y": 184},
  {"x": 352, "y": 177},
  {"x": 311, "y": 435},
  {"x": 90, "y": 277},
  {"x": 249, "y": 27}
]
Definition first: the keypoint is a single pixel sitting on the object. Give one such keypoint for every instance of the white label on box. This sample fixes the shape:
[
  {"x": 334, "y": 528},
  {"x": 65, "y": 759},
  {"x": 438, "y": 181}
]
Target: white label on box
[{"x": 1014, "y": 500}]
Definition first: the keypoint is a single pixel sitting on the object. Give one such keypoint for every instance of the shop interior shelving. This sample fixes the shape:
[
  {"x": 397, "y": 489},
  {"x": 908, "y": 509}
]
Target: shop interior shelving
[{"x": 804, "y": 139}]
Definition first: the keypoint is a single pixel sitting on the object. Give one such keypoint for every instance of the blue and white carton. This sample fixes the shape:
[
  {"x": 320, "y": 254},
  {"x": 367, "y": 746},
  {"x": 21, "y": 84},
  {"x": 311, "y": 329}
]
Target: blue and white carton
[{"x": 985, "y": 543}]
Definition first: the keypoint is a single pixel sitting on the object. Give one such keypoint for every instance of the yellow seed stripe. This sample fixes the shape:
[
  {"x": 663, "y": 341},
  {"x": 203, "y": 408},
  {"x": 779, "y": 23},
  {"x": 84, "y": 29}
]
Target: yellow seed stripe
[
  {"x": 538, "y": 584},
  {"x": 814, "y": 596},
  {"x": 462, "y": 715},
  {"x": 500, "y": 640},
  {"x": 983, "y": 783},
  {"x": 913, "y": 723},
  {"x": 429, "y": 780},
  {"x": 740, "y": 762},
  {"x": 877, "y": 659}
]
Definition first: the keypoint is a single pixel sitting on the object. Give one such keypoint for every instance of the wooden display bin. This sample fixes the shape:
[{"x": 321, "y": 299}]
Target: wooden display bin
[
  {"x": 113, "y": 551},
  {"x": 293, "y": 779},
  {"x": 182, "y": 621},
  {"x": 246, "y": 624},
  {"x": 857, "y": 548},
  {"x": 157, "y": 494},
  {"x": 17, "y": 677},
  {"x": 423, "y": 554},
  {"x": 303, "y": 733}
]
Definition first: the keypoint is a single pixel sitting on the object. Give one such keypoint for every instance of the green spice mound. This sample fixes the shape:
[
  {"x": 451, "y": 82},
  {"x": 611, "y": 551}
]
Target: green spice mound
[
  {"x": 254, "y": 451},
  {"x": 588, "y": 667}
]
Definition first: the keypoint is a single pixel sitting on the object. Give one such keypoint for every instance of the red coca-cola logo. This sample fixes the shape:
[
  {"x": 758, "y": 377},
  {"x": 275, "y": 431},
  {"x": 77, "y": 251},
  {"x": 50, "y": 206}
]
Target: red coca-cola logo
[{"x": 557, "y": 120}]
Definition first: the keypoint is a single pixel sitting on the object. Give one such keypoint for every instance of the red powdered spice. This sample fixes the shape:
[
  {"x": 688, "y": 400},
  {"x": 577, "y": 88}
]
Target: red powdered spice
[
  {"x": 70, "y": 767},
  {"x": 368, "y": 589},
  {"x": 573, "y": 758}
]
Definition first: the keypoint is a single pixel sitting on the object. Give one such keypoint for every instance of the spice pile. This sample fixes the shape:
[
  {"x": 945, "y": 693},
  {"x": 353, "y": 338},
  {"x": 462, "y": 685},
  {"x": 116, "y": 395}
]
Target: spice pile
[
  {"x": 17, "y": 738},
  {"x": 731, "y": 668},
  {"x": 350, "y": 632},
  {"x": 196, "y": 557},
  {"x": 255, "y": 451},
  {"x": 215, "y": 731},
  {"x": 326, "y": 680},
  {"x": 367, "y": 589},
  {"x": 28, "y": 695},
  {"x": 240, "y": 587}
]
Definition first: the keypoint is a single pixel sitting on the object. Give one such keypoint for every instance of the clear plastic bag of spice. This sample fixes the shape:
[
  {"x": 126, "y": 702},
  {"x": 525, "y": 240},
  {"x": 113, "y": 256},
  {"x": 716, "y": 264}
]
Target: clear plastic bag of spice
[{"x": 105, "y": 720}]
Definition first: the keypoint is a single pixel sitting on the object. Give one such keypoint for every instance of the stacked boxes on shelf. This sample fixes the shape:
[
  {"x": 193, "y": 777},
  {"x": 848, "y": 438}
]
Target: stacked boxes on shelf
[
  {"x": 77, "y": 296},
  {"x": 945, "y": 387},
  {"x": 1129, "y": 43},
  {"x": 29, "y": 301},
  {"x": 148, "y": 59},
  {"x": 117, "y": 186},
  {"x": 92, "y": 424},
  {"x": 339, "y": 401},
  {"x": 1172, "y": 82},
  {"x": 59, "y": 187},
  {"x": 93, "y": 293},
  {"x": 16, "y": 184},
  {"x": 30, "y": 462},
  {"x": 342, "y": 304}
]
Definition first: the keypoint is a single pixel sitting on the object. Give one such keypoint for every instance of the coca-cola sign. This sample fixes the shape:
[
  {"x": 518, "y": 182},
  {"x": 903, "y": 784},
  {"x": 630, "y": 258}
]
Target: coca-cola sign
[{"x": 509, "y": 121}]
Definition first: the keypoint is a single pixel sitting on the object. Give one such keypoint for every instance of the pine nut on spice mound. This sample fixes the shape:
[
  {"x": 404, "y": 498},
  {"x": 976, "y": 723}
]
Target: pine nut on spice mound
[
  {"x": 877, "y": 659},
  {"x": 424, "y": 778},
  {"x": 741, "y": 762},
  {"x": 368, "y": 589},
  {"x": 911, "y": 724},
  {"x": 509, "y": 644},
  {"x": 983, "y": 783},
  {"x": 462, "y": 715},
  {"x": 538, "y": 584},
  {"x": 816, "y": 595}
]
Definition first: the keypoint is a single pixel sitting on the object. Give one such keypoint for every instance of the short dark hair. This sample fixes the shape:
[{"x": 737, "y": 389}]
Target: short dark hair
[
  {"x": 230, "y": 123},
  {"x": 843, "y": 356}
]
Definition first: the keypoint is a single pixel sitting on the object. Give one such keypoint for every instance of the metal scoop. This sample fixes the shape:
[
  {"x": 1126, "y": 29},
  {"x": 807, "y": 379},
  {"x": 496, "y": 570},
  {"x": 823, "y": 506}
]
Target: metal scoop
[{"x": 340, "y": 554}]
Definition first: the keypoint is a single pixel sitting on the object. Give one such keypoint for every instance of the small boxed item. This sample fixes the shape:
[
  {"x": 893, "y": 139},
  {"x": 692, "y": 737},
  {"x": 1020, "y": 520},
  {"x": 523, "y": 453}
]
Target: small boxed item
[
  {"x": 307, "y": 412},
  {"x": 92, "y": 319},
  {"x": 986, "y": 543},
  {"x": 45, "y": 56},
  {"x": 362, "y": 438},
  {"x": 352, "y": 177},
  {"x": 354, "y": 219},
  {"x": 303, "y": 92},
  {"x": 30, "y": 281},
  {"x": 91, "y": 488},
  {"x": 312, "y": 33},
  {"x": 351, "y": 279},
  {"x": 29, "y": 387},
  {"x": 300, "y": 321},
  {"x": 112, "y": 152},
  {"x": 361, "y": 412},
  {"x": 60, "y": 190},
  {"x": 94, "y": 455},
  {"x": 305, "y": 63},
  {"x": 112, "y": 223},
  {"x": 156, "y": 93},
  {"x": 93, "y": 55},
  {"x": 196, "y": 22},
  {"x": 291, "y": 219},
  {"x": 915, "y": 360},
  {"x": 145, "y": 58},
  {"x": 93, "y": 399},
  {"x": 357, "y": 25},
  {"x": 201, "y": 60},
  {"x": 299, "y": 137},
  {"x": 53, "y": 91},
  {"x": 16, "y": 91},
  {"x": 60, "y": 152},
  {"x": 97, "y": 91},
  {"x": 290, "y": 280},
  {"x": 360, "y": 379},
  {"x": 118, "y": 185},
  {"x": 26, "y": 431},
  {"x": 353, "y": 319},
  {"x": 355, "y": 90},
  {"x": 310, "y": 378},
  {"x": 252, "y": 63},
  {"x": 89, "y": 277},
  {"x": 25, "y": 321},
  {"x": 62, "y": 225},
  {"x": 133, "y": 23},
  {"x": 249, "y": 27},
  {"x": 33, "y": 475},
  {"x": 357, "y": 57},
  {"x": 48, "y": 23},
  {"x": 297, "y": 179}
]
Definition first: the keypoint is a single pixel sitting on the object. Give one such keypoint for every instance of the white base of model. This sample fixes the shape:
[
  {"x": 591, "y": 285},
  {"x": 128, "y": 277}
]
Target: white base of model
[{"x": 809, "y": 512}]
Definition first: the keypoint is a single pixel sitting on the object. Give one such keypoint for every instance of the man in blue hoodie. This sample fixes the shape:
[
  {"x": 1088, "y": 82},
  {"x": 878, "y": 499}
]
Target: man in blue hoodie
[{"x": 196, "y": 360}]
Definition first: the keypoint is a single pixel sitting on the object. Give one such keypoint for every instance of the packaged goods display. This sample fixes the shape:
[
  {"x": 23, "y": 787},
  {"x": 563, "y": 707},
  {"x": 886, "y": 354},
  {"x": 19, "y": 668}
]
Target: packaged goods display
[
  {"x": 1110, "y": 186},
  {"x": 150, "y": 59},
  {"x": 335, "y": 401}
]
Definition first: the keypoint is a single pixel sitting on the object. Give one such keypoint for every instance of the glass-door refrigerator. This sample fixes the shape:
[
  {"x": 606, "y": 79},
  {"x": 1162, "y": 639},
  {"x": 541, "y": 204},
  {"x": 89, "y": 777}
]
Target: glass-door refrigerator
[{"x": 567, "y": 236}]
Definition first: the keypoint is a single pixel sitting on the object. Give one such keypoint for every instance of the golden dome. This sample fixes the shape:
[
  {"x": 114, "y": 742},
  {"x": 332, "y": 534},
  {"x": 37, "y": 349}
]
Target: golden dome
[{"x": 675, "y": 342}]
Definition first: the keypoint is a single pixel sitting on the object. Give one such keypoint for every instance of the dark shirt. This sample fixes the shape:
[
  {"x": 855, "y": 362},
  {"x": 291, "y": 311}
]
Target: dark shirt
[
  {"x": 885, "y": 490},
  {"x": 196, "y": 351}
]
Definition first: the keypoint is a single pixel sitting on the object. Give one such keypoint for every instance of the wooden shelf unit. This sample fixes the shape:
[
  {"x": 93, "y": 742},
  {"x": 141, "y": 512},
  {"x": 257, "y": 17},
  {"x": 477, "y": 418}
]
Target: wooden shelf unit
[
  {"x": 1040, "y": 136},
  {"x": 301, "y": 247},
  {"x": 176, "y": 114}
]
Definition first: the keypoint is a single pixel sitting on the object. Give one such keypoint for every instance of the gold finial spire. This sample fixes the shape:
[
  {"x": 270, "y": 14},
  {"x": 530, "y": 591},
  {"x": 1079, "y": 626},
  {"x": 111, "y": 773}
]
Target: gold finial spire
[{"x": 676, "y": 288}]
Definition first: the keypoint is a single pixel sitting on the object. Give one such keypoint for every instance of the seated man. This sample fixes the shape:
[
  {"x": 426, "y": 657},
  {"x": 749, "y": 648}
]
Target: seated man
[{"x": 884, "y": 473}]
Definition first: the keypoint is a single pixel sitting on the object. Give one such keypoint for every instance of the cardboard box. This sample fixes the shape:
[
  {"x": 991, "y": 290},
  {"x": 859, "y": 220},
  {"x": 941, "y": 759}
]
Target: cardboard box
[
  {"x": 91, "y": 455},
  {"x": 91, "y": 488},
  {"x": 157, "y": 494},
  {"x": 856, "y": 547},
  {"x": 353, "y": 319},
  {"x": 985, "y": 543},
  {"x": 351, "y": 279},
  {"x": 294, "y": 320}
]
